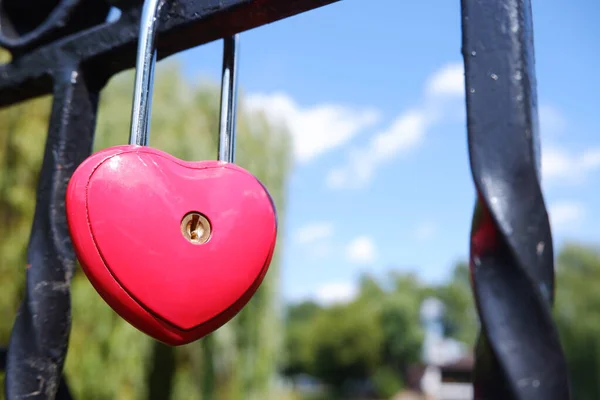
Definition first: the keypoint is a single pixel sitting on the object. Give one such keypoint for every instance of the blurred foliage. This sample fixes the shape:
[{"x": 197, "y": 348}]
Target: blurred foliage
[
  {"x": 577, "y": 313},
  {"x": 109, "y": 359},
  {"x": 370, "y": 340}
]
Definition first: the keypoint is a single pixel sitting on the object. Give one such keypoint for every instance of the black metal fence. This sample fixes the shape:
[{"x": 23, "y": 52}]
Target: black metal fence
[{"x": 67, "y": 49}]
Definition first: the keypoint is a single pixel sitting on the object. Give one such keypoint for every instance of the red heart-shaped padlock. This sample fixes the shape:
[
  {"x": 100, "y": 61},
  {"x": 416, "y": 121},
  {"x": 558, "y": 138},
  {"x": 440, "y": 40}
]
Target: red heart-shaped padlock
[{"x": 127, "y": 208}]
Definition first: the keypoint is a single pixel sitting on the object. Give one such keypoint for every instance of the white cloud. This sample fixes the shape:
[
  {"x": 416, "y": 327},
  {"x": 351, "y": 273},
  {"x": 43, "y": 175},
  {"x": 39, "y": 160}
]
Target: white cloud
[
  {"x": 314, "y": 232},
  {"x": 425, "y": 231},
  {"x": 566, "y": 215},
  {"x": 316, "y": 129},
  {"x": 561, "y": 166},
  {"x": 361, "y": 250},
  {"x": 551, "y": 120},
  {"x": 404, "y": 134},
  {"x": 335, "y": 293},
  {"x": 447, "y": 81},
  {"x": 441, "y": 92}
]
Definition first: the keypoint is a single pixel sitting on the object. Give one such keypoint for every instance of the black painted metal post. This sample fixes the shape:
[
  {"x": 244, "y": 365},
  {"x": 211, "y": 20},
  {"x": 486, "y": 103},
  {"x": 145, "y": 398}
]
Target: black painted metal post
[
  {"x": 39, "y": 339},
  {"x": 519, "y": 355}
]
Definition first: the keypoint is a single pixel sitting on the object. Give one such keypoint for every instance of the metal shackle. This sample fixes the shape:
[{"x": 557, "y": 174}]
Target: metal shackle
[{"x": 144, "y": 83}]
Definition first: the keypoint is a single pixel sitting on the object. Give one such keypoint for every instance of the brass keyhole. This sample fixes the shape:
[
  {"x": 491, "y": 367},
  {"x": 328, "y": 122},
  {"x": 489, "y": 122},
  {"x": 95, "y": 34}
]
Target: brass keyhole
[{"x": 195, "y": 228}]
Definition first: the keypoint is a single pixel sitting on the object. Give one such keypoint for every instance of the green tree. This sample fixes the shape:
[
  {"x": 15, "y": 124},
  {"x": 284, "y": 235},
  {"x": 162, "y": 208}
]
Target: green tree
[
  {"x": 346, "y": 344},
  {"x": 298, "y": 321},
  {"x": 373, "y": 338},
  {"x": 577, "y": 314}
]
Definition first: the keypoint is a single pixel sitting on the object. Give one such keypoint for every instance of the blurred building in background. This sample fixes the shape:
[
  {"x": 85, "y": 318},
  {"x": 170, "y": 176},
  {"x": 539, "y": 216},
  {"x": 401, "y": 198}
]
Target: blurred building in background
[{"x": 447, "y": 363}]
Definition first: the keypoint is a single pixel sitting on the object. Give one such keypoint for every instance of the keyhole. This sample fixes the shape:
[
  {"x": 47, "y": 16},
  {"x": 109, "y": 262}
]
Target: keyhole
[{"x": 195, "y": 228}]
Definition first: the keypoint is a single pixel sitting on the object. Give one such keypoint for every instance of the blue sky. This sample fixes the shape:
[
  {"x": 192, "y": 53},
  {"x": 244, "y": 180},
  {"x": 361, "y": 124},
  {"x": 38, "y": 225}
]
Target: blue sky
[{"x": 372, "y": 93}]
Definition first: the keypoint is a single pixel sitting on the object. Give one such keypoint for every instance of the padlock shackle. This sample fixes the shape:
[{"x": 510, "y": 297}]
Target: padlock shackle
[
  {"x": 227, "y": 117},
  {"x": 145, "y": 65},
  {"x": 144, "y": 73}
]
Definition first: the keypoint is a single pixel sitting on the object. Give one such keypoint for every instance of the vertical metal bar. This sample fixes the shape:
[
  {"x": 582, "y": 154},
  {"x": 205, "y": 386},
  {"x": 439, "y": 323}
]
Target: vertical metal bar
[
  {"x": 518, "y": 355},
  {"x": 141, "y": 111},
  {"x": 227, "y": 117},
  {"x": 39, "y": 339}
]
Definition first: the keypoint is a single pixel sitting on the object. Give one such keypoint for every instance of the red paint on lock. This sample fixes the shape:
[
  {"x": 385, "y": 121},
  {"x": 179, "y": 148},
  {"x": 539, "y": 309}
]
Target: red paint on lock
[{"x": 125, "y": 206}]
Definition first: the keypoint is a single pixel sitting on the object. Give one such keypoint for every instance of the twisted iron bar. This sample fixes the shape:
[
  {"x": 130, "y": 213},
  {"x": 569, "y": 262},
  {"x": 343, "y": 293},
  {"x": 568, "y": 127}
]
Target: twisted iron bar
[
  {"x": 518, "y": 354},
  {"x": 39, "y": 339}
]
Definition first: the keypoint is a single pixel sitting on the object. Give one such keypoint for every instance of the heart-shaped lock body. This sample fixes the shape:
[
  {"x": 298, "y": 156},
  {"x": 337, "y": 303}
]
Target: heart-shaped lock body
[{"x": 126, "y": 207}]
